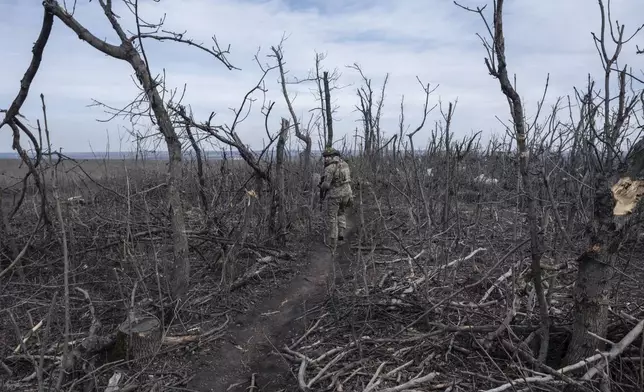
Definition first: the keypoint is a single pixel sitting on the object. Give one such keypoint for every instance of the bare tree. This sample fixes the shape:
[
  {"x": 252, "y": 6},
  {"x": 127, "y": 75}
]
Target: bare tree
[
  {"x": 368, "y": 104},
  {"x": 417, "y": 176},
  {"x": 320, "y": 90},
  {"x": 304, "y": 136},
  {"x": 447, "y": 117},
  {"x": 12, "y": 119},
  {"x": 497, "y": 66},
  {"x": 128, "y": 51},
  {"x": 607, "y": 232},
  {"x": 316, "y": 75},
  {"x": 200, "y": 173},
  {"x": 279, "y": 195},
  {"x": 227, "y": 134},
  {"x": 327, "y": 110}
]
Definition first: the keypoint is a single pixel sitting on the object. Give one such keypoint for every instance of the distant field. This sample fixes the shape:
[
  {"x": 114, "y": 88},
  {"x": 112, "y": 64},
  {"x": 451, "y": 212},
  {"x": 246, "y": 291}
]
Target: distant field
[
  {"x": 150, "y": 156},
  {"x": 12, "y": 170},
  {"x": 88, "y": 173}
]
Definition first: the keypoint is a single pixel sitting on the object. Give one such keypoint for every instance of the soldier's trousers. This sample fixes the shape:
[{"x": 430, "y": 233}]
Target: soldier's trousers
[{"x": 337, "y": 216}]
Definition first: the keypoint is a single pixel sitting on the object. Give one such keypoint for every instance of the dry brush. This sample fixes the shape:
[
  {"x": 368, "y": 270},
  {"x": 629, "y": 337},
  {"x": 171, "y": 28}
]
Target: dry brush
[{"x": 476, "y": 267}]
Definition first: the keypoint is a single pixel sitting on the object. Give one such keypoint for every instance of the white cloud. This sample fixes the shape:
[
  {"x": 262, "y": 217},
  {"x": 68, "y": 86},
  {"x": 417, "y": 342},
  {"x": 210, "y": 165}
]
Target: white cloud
[{"x": 434, "y": 40}]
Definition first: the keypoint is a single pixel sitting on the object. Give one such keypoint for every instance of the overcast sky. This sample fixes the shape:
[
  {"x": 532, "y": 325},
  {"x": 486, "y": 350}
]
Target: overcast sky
[{"x": 432, "y": 39}]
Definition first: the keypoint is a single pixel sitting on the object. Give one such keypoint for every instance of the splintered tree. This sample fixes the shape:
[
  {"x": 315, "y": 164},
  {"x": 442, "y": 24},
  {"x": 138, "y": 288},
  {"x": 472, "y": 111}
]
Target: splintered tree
[
  {"x": 616, "y": 183},
  {"x": 127, "y": 50},
  {"x": 604, "y": 122}
]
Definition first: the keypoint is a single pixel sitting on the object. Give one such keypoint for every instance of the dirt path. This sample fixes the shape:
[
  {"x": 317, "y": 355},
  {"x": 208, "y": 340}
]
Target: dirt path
[{"x": 249, "y": 346}]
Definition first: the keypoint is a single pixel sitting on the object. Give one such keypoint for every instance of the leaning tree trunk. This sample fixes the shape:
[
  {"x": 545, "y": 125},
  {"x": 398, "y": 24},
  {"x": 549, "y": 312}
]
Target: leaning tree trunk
[{"x": 179, "y": 267}]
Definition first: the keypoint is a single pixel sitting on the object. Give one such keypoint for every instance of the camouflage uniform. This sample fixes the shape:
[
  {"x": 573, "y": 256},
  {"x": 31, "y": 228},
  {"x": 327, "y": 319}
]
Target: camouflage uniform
[{"x": 337, "y": 182}]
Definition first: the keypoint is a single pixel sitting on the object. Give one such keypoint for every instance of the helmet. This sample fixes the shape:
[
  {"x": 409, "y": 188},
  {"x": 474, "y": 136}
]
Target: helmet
[{"x": 330, "y": 152}]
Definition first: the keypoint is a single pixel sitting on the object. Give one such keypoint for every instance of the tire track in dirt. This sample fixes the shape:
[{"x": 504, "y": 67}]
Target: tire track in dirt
[{"x": 249, "y": 347}]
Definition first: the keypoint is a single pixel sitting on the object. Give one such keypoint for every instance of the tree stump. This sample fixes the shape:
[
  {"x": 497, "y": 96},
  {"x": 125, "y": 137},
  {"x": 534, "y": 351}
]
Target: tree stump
[{"x": 138, "y": 337}]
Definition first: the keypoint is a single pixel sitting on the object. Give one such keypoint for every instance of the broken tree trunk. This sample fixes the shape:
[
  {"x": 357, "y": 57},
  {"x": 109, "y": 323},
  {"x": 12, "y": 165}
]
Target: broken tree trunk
[
  {"x": 592, "y": 290},
  {"x": 280, "y": 189},
  {"x": 327, "y": 103},
  {"x": 138, "y": 337}
]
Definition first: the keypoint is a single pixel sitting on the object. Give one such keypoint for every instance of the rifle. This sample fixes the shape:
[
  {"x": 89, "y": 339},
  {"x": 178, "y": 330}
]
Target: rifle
[{"x": 322, "y": 191}]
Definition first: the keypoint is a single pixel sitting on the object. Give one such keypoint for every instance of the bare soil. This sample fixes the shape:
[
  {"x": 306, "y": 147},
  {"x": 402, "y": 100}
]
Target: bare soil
[{"x": 252, "y": 344}]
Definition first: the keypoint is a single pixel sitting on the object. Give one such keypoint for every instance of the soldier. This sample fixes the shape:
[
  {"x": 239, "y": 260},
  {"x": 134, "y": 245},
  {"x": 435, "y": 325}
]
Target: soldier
[{"x": 336, "y": 183}]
